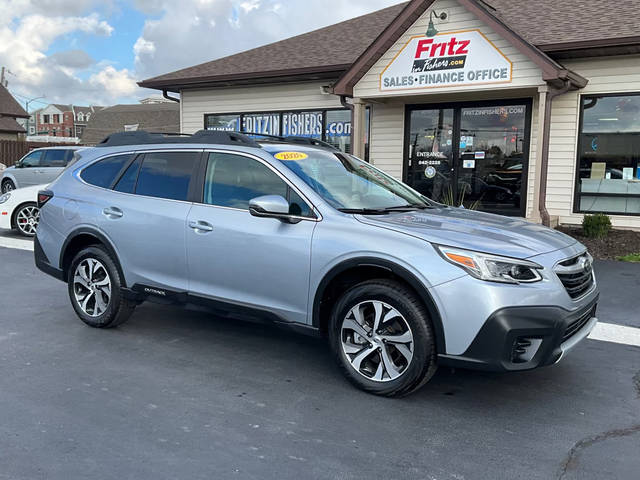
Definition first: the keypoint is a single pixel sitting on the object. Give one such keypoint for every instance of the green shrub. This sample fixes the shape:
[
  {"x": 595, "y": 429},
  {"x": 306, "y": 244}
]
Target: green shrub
[{"x": 596, "y": 226}]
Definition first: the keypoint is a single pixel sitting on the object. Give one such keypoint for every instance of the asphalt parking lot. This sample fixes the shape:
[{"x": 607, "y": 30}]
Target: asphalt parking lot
[{"x": 177, "y": 394}]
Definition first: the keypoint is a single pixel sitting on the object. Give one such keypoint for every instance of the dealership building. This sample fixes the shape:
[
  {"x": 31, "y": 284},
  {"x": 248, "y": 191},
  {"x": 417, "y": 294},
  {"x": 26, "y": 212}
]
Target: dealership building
[{"x": 522, "y": 108}]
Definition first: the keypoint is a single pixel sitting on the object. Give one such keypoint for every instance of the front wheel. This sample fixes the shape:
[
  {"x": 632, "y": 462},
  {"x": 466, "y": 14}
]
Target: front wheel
[
  {"x": 27, "y": 217},
  {"x": 7, "y": 186},
  {"x": 94, "y": 289},
  {"x": 382, "y": 337}
]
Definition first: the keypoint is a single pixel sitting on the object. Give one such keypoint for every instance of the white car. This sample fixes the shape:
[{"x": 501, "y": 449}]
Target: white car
[{"x": 19, "y": 210}]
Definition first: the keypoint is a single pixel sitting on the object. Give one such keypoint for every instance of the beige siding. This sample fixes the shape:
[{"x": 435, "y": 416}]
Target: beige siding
[
  {"x": 387, "y": 137},
  {"x": 525, "y": 72},
  {"x": 606, "y": 75},
  {"x": 196, "y": 103}
]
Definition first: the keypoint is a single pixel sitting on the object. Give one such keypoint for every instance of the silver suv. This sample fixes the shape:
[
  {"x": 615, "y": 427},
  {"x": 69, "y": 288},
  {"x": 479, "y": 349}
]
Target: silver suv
[
  {"x": 292, "y": 231},
  {"x": 38, "y": 167}
]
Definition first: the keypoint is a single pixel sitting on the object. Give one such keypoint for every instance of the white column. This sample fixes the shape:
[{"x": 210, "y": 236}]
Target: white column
[
  {"x": 359, "y": 127},
  {"x": 542, "y": 101}
]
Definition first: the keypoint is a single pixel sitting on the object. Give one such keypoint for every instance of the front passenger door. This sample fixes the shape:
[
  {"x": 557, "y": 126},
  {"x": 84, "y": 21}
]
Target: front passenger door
[
  {"x": 27, "y": 174},
  {"x": 235, "y": 257}
]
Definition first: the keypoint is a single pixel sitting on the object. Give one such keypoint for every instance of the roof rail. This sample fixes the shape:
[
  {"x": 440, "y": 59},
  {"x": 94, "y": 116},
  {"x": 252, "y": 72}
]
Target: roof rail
[
  {"x": 142, "y": 137},
  {"x": 294, "y": 139}
]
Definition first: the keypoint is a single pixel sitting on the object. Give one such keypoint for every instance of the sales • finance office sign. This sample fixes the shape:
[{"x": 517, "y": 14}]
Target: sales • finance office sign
[{"x": 448, "y": 59}]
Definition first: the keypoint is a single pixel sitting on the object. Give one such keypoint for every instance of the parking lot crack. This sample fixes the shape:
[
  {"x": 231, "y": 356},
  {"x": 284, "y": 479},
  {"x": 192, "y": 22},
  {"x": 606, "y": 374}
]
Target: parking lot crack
[{"x": 571, "y": 460}]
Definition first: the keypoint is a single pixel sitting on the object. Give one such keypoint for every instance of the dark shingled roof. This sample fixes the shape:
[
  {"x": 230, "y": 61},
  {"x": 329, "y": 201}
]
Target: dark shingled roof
[
  {"x": 551, "y": 25},
  {"x": 158, "y": 117},
  {"x": 9, "y": 125},
  {"x": 9, "y": 106}
]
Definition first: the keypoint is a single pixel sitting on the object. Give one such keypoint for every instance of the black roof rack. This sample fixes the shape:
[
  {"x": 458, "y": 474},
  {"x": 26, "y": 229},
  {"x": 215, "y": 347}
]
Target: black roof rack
[
  {"x": 142, "y": 137},
  {"x": 293, "y": 139}
]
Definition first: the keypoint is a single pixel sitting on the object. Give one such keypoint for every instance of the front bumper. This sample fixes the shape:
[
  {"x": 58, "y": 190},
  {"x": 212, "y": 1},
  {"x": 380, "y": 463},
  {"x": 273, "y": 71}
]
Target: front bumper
[{"x": 523, "y": 338}]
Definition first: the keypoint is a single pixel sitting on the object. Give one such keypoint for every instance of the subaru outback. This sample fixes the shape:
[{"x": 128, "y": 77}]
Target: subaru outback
[{"x": 293, "y": 231}]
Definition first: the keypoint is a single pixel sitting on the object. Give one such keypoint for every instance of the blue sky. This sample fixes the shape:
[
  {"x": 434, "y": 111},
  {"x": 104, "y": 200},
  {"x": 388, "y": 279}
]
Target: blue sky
[{"x": 94, "y": 51}]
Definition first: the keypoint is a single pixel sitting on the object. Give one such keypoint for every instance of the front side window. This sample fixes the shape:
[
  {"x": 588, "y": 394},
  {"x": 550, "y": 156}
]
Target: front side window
[
  {"x": 233, "y": 180},
  {"x": 32, "y": 160},
  {"x": 347, "y": 183},
  {"x": 104, "y": 172},
  {"x": 609, "y": 155},
  {"x": 166, "y": 174}
]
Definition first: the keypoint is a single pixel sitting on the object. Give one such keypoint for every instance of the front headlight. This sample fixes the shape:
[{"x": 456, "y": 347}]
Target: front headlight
[
  {"x": 492, "y": 268},
  {"x": 4, "y": 197}
]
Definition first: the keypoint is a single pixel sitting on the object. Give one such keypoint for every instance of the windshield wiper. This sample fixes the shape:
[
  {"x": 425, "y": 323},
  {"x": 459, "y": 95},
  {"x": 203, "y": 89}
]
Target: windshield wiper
[
  {"x": 364, "y": 211},
  {"x": 382, "y": 211},
  {"x": 411, "y": 206}
]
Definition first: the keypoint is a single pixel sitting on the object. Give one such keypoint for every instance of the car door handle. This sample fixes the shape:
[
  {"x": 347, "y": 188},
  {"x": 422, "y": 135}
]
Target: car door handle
[
  {"x": 201, "y": 226},
  {"x": 112, "y": 212}
]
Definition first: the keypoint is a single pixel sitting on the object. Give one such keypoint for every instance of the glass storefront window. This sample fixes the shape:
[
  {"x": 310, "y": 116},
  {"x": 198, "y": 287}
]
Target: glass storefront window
[
  {"x": 332, "y": 126},
  {"x": 302, "y": 124},
  {"x": 261, "y": 123},
  {"x": 609, "y": 155},
  {"x": 338, "y": 129},
  {"x": 224, "y": 123}
]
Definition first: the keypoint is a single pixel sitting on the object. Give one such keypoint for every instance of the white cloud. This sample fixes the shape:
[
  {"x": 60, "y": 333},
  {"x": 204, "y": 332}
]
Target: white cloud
[
  {"x": 195, "y": 31},
  {"x": 178, "y": 34},
  {"x": 64, "y": 77}
]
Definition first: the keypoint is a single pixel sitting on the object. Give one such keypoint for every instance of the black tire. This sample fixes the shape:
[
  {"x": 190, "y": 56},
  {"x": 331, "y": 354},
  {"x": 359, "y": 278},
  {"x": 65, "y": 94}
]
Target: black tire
[
  {"x": 423, "y": 362},
  {"x": 7, "y": 185},
  {"x": 118, "y": 309},
  {"x": 26, "y": 230}
]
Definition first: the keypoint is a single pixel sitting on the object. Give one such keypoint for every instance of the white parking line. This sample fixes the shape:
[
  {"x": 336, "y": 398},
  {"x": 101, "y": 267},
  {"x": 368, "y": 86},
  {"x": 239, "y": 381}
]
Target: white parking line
[
  {"x": 19, "y": 243},
  {"x": 604, "y": 332},
  {"x": 608, "y": 332}
]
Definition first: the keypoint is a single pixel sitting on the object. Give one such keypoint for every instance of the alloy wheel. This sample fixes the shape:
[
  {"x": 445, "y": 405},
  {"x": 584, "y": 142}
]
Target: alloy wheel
[
  {"x": 377, "y": 341},
  {"x": 27, "y": 220},
  {"x": 92, "y": 287},
  {"x": 7, "y": 186}
]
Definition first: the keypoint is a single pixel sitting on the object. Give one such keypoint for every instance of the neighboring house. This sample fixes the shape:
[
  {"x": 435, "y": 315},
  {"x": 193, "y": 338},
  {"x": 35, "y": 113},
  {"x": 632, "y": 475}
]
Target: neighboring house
[
  {"x": 82, "y": 116},
  {"x": 10, "y": 112},
  {"x": 58, "y": 120},
  {"x": 153, "y": 117},
  {"x": 155, "y": 99}
]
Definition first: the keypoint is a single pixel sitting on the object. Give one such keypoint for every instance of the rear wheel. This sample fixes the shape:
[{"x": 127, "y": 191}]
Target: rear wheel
[
  {"x": 7, "y": 186},
  {"x": 383, "y": 339},
  {"x": 94, "y": 289},
  {"x": 26, "y": 220}
]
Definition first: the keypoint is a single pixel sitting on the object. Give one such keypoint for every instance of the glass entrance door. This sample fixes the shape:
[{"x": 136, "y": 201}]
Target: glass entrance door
[
  {"x": 470, "y": 155},
  {"x": 431, "y": 153},
  {"x": 492, "y": 157}
]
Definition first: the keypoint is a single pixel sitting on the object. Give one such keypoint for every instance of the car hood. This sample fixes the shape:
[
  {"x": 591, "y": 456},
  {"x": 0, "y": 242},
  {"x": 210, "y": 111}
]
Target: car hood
[{"x": 483, "y": 232}]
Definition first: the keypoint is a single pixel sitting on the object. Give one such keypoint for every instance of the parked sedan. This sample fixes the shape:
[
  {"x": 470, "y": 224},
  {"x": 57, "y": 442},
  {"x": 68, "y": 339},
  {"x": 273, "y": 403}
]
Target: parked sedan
[
  {"x": 39, "y": 166},
  {"x": 19, "y": 210}
]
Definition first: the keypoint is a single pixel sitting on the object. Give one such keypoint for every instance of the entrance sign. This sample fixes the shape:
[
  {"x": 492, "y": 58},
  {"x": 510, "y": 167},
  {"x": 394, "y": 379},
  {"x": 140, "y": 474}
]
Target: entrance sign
[{"x": 448, "y": 59}]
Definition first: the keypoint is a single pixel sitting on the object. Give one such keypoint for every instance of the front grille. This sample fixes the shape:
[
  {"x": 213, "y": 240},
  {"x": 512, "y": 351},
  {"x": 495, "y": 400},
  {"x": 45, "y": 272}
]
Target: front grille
[
  {"x": 575, "y": 326},
  {"x": 576, "y": 274}
]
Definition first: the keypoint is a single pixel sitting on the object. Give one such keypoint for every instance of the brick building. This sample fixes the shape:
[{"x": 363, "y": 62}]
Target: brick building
[{"x": 59, "y": 120}]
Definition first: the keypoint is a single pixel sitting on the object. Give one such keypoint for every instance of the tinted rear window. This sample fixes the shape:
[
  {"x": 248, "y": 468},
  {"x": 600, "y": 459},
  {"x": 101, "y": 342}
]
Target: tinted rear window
[
  {"x": 103, "y": 173},
  {"x": 127, "y": 182},
  {"x": 166, "y": 174}
]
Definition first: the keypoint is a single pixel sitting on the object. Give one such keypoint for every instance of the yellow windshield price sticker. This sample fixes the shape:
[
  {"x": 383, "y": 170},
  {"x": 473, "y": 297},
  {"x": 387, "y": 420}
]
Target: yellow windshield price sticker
[{"x": 291, "y": 156}]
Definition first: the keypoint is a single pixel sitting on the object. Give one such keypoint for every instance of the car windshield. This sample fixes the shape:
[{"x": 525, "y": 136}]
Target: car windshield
[{"x": 351, "y": 185}]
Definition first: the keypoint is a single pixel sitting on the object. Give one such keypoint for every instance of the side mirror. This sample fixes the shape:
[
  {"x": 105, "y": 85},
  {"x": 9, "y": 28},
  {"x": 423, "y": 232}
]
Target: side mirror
[
  {"x": 18, "y": 165},
  {"x": 271, "y": 206}
]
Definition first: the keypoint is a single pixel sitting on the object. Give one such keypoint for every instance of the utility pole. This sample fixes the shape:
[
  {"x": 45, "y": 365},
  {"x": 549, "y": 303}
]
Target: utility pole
[{"x": 27, "y": 109}]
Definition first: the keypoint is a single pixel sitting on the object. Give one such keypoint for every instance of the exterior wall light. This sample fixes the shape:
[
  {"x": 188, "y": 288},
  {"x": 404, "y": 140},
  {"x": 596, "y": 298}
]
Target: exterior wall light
[{"x": 431, "y": 29}]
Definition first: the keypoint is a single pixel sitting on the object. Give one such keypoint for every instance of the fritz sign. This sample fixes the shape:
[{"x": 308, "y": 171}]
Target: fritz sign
[{"x": 449, "y": 59}]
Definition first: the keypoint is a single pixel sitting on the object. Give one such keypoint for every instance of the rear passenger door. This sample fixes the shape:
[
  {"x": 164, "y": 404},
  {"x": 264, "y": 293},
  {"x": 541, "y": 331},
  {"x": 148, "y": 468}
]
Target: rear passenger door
[
  {"x": 52, "y": 164},
  {"x": 144, "y": 214},
  {"x": 249, "y": 261}
]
